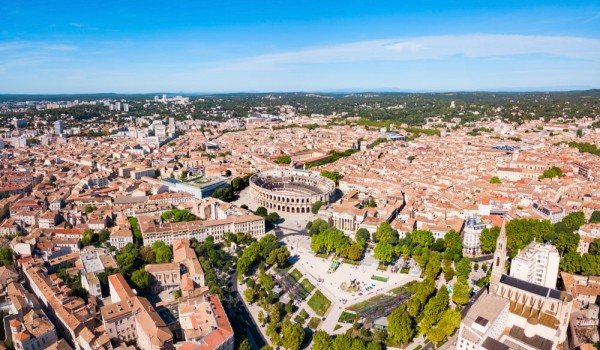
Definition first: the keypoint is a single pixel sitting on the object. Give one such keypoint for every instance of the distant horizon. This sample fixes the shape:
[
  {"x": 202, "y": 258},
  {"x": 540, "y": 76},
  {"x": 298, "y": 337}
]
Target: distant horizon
[
  {"x": 237, "y": 46},
  {"x": 332, "y": 92}
]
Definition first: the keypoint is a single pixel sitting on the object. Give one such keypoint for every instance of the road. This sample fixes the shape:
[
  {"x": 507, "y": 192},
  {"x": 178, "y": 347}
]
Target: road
[{"x": 252, "y": 331}]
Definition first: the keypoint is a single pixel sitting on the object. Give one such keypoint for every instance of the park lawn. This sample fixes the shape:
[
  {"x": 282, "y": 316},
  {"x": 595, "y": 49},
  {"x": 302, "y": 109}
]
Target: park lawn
[
  {"x": 303, "y": 314},
  {"x": 288, "y": 267},
  {"x": 307, "y": 285},
  {"x": 319, "y": 303},
  {"x": 314, "y": 323},
  {"x": 347, "y": 317},
  {"x": 299, "y": 320},
  {"x": 297, "y": 275}
]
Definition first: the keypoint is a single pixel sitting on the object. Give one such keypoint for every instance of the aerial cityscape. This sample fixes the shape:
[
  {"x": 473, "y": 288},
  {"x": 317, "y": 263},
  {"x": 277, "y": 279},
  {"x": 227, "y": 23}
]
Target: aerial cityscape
[{"x": 341, "y": 175}]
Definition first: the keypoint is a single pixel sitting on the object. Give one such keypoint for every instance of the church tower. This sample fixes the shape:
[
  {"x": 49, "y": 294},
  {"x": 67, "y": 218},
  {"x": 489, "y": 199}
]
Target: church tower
[{"x": 499, "y": 262}]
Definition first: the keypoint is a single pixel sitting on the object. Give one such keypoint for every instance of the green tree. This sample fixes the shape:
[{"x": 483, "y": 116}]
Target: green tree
[
  {"x": 574, "y": 220},
  {"x": 448, "y": 270},
  {"x": 283, "y": 159},
  {"x": 355, "y": 251},
  {"x": 321, "y": 341},
  {"x": 551, "y": 173},
  {"x": 463, "y": 268},
  {"x": 147, "y": 255},
  {"x": 341, "y": 342},
  {"x": 238, "y": 184},
  {"x": 384, "y": 252},
  {"x": 316, "y": 206},
  {"x": 293, "y": 335},
  {"x": 6, "y": 256},
  {"x": 261, "y": 211},
  {"x": 104, "y": 235},
  {"x": 373, "y": 346},
  {"x": 261, "y": 317},
  {"x": 460, "y": 293},
  {"x": 595, "y": 218},
  {"x": 141, "y": 279},
  {"x": 331, "y": 175},
  {"x": 453, "y": 245},
  {"x": 400, "y": 326},
  {"x": 250, "y": 295},
  {"x": 422, "y": 238},
  {"x": 245, "y": 345},
  {"x": 89, "y": 208},
  {"x": 163, "y": 253},
  {"x": 495, "y": 180},
  {"x": 488, "y": 239},
  {"x": 273, "y": 217},
  {"x": 362, "y": 235},
  {"x": 566, "y": 242},
  {"x": 225, "y": 194},
  {"x": 521, "y": 232},
  {"x": 88, "y": 237},
  {"x": 571, "y": 263},
  {"x": 384, "y": 232}
]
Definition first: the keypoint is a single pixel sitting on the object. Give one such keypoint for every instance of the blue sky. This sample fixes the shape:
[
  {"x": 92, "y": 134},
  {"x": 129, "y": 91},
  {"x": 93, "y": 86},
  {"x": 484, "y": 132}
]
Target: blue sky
[{"x": 229, "y": 46}]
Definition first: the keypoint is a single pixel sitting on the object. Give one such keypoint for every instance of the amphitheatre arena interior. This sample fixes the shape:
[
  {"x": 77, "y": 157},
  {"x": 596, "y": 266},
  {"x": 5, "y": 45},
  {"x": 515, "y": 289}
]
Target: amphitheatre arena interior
[{"x": 290, "y": 191}]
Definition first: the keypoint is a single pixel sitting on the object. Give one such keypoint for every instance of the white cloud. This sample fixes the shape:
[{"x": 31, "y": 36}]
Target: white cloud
[{"x": 432, "y": 48}]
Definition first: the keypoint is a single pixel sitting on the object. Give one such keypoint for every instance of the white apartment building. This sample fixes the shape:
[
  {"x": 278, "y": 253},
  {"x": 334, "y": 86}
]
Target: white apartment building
[
  {"x": 538, "y": 263},
  {"x": 588, "y": 234},
  {"x": 472, "y": 235}
]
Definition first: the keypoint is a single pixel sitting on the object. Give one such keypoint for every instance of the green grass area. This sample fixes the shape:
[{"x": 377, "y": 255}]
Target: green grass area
[
  {"x": 405, "y": 270},
  {"x": 314, "y": 323},
  {"x": 411, "y": 287},
  {"x": 337, "y": 326},
  {"x": 299, "y": 320},
  {"x": 382, "y": 267},
  {"x": 364, "y": 304},
  {"x": 303, "y": 314},
  {"x": 307, "y": 285},
  {"x": 297, "y": 275},
  {"x": 322, "y": 255},
  {"x": 319, "y": 303},
  {"x": 347, "y": 317},
  {"x": 379, "y": 278},
  {"x": 289, "y": 266}
]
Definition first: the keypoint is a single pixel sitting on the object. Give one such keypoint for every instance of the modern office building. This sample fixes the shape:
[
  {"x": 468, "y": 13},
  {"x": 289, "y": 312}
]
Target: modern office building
[{"x": 59, "y": 127}]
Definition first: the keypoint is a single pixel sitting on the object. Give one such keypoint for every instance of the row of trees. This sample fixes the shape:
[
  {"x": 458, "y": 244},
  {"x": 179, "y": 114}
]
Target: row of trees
[
  {"x": 271, "y": 217},
  {"x": 89, "y": 237},
  {"x": 323, "y": 341},
  {"x": 177, "y": 215},
  {"x": 424, "y": 313},
  {"x": 327, "y": 239},
  {"x": 266, "y": 251},
  {"x": 390, "y": 246}
]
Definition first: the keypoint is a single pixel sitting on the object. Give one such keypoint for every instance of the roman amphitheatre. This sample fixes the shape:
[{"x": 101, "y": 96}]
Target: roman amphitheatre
[{"x": 290, "y": 191}]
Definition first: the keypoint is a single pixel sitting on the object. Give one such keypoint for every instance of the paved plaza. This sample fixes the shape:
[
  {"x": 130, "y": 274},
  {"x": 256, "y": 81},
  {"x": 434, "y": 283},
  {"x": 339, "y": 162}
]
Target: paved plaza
[{"x": 316, "y": 269}]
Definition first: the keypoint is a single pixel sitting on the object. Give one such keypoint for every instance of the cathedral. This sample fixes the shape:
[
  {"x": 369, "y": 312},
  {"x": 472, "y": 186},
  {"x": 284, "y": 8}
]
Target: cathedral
[{"x": 515, "y": 314}]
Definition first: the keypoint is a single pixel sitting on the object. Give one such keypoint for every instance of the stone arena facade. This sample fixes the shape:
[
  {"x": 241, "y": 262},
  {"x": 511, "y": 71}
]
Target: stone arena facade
[{"x": 290, "y": 191}]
